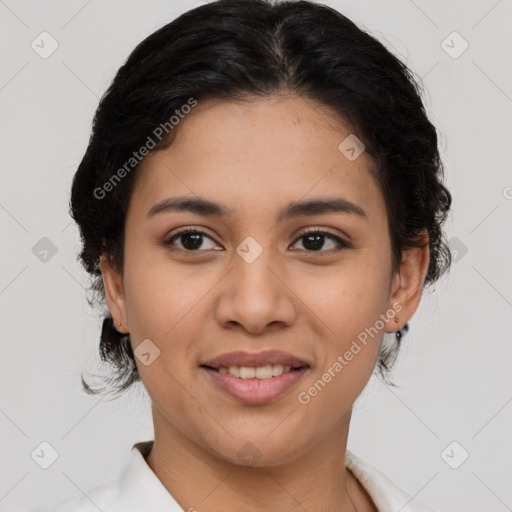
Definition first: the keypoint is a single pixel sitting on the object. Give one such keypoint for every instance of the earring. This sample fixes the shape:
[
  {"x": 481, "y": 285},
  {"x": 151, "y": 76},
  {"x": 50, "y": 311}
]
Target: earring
[{"x": 398, "y": 332}]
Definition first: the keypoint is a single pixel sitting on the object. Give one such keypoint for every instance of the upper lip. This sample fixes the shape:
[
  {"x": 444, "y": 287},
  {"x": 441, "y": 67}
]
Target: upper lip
[{"x": 255, "y": 359}]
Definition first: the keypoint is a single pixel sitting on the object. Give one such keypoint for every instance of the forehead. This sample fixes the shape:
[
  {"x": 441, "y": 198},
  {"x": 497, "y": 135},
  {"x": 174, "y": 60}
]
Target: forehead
[{"x": 259, "y": 154}]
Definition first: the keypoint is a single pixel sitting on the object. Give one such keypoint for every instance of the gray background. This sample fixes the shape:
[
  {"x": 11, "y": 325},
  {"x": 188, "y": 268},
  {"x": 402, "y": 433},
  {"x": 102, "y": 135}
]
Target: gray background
[{"x": 455, "y": 382}]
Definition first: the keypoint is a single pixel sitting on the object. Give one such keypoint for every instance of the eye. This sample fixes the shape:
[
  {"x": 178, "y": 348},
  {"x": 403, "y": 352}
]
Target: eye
[
  {"x": 191, "y": 240},
  {"x": 314, "y": 239}
]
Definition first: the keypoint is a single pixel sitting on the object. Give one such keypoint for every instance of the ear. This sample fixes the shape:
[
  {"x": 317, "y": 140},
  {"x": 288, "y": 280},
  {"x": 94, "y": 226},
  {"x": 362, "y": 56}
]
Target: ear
[
  {"x": 407, "y": 284},
  {"x": 114, "y": 294}
]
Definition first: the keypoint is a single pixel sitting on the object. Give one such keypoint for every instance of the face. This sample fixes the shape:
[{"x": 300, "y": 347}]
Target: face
[{"x": 258, "y": 278}]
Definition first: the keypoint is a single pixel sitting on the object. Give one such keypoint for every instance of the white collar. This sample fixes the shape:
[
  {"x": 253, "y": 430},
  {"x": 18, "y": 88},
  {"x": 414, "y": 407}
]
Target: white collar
[
  {"x": 140, "y": 488},
  {"x": 386, "y": 495}
]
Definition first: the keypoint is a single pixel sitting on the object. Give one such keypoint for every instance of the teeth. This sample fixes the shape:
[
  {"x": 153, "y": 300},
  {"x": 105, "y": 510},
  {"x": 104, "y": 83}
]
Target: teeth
[
  {"x": 246, "y": 372},
  {"x": 234, "y": 370},
  {"x": 277, "y": 369},
  {"x": 261, "y": 372}
]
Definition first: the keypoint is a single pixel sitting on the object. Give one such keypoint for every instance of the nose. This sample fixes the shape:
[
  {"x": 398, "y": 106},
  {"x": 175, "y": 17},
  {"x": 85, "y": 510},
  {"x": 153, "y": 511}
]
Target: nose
[{"x": 256, "y": 296}]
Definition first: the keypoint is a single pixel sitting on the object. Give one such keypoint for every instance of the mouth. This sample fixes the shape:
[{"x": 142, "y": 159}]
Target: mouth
[{"x": 255, "y": 378}]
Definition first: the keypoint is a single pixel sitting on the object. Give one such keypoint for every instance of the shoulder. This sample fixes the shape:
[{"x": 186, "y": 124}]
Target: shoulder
[
  {"x": 136, "y": 488},
  {"x": 386, "y": 495},
  {"x": 104, "y": 497}
]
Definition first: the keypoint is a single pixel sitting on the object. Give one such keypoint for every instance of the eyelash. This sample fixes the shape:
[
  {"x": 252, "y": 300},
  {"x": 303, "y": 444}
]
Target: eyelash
[{"x": 341, "y": 243}]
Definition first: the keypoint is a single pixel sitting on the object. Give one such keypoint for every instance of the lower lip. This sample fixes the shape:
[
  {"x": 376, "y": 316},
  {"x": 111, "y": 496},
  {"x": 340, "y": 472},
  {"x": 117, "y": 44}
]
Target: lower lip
[{"x": 255, "y": 391}]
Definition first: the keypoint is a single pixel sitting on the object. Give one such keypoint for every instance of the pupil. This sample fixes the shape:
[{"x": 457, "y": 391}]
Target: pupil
[
  {"x": 317, "y": 242},
  {"x": 197, "y": 240}
]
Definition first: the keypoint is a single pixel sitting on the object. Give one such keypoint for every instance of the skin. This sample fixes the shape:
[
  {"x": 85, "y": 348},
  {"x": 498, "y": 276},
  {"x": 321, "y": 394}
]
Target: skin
[{"x": 254, "y": 157}]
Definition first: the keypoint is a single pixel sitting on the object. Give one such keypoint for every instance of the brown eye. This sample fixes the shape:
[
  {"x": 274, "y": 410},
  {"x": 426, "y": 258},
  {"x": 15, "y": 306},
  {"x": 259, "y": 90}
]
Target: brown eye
[
  {"x": 191, "y": 240},
  {"x": 314, "y": 240}
]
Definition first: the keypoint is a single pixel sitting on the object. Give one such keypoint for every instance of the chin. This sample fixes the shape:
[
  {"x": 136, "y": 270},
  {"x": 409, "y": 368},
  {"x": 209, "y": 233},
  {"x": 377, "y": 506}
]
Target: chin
[{"x": 257, "y": 451}]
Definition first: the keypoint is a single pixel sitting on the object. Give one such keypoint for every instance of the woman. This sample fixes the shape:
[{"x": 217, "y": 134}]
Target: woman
[{"x": 260, "y": 205}]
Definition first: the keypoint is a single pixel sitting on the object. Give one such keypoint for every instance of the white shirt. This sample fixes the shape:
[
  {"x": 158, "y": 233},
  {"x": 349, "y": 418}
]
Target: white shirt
[{"x": 138, "y": 489}]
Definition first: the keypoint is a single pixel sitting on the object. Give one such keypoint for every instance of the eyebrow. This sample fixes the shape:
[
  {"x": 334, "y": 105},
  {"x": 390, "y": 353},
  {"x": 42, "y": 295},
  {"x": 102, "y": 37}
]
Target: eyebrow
[{"x": 208, "y": 208}]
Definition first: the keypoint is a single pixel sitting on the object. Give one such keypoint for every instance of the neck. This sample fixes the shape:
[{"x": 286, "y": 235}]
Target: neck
[{"x": 198, "y": 479}]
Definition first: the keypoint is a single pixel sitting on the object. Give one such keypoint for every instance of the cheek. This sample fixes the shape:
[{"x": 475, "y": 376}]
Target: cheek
[
  {"x": 166, "y": 304},
  {"x": 159, "y": 293},
  {"x": 348, "y": 303},
  {"x": 348, "y": 298}
]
